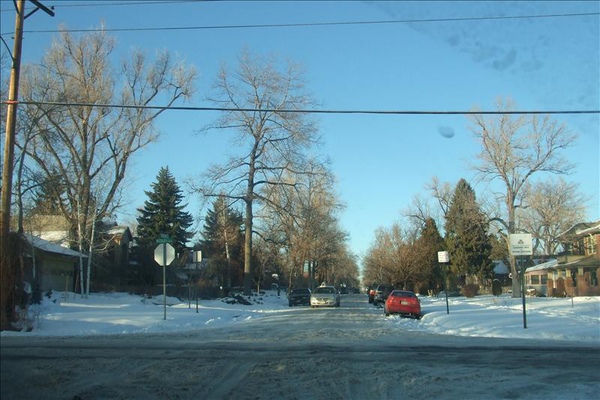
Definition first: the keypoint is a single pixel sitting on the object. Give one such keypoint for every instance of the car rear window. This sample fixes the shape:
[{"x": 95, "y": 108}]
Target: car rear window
[
  {"x": 402, "y": 293},
  {"x": 324, "y": 290}
]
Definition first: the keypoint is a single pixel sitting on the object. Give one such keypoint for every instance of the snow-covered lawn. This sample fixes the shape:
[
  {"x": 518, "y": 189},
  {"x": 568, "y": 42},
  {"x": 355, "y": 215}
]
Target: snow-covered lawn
[{"x": 67, "y": 314}]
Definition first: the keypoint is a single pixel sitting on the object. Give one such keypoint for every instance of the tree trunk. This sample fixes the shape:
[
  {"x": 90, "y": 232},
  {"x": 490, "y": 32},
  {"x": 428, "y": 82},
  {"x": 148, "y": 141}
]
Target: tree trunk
[{"x": 248, "y": 249}]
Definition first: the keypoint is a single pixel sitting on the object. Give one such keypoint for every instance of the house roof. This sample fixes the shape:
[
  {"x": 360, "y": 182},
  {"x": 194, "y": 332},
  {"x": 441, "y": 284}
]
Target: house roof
[
  {"x": 50, "y": 247},
  {"x": 595, "y": 228},
  {"x": 500, "y": 267},
  {"x": 582, "y": 228},
  {"x": 554, "y": 264},
  {"x": 591, "y": 261},
  {"x": 543, "y": 266}
]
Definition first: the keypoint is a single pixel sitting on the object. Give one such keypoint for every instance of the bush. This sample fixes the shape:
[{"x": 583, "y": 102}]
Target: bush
[
  {"x": 470, "y": 290},
  {"x": 496, "y": 287}
]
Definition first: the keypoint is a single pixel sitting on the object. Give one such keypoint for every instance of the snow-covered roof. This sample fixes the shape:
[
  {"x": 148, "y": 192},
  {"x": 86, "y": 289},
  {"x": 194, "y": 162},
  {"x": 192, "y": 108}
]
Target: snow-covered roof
[
  {"x": 50, "y": 247},
  {"x": 500, "y": 268},
  {"x": 543, "y": 266},
  {"x": 117, "y": 230},
  {"x": 53, "y": 236},
  {"x": 592, "y": 229}
]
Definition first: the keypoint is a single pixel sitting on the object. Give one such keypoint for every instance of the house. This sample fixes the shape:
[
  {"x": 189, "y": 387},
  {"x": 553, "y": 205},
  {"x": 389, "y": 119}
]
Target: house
[
  {"x": 54, "y": 267},
  {"x": 112, "y": 256},
  {"x": 110, "y": 259},
  {"x": 536, "y": 277},
  {"x": 574, "y": 272}
]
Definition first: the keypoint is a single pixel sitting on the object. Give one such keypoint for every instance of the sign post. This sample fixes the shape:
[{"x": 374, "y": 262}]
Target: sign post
[
  {"x": 521, "y": 245},
  {"x": 197, "y": 260},
  {"x": 164, "y": 254},
  {"x": 443, "y": 258}
]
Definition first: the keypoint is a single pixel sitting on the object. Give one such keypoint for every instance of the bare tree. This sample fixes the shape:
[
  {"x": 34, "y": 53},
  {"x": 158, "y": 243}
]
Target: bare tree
[
  {"x": 442, "y": 192},
  {"x": 513, "y": 149},
  {"x": 553, "y": 207},
  {"x": 304, "y": 216},
  {"x": 88, "y": 143},
  {"x": 395, "y": 257},
  {"x": 261, "y": 100}
]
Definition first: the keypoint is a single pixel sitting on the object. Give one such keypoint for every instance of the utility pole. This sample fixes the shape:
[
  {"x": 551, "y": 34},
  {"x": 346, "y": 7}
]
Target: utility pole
[{"x": 9, "y": 143}]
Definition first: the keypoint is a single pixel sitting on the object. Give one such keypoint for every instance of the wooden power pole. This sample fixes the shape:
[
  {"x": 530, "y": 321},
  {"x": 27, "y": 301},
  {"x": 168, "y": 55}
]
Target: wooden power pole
[{"x": 9, "y": 146}]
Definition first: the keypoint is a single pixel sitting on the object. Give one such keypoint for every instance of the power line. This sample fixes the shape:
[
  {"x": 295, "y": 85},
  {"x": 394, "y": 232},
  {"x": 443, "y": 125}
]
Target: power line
[
  {"x": 80, "y": 4},
  {"x": 311, "y": 111},
  {"x": 314, "y": 24}
]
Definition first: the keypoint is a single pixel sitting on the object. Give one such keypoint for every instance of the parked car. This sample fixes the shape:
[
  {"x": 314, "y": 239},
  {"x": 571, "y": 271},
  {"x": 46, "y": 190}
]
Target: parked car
[
  {"x": 325, "y": 296},
  {"x": 299, "y": 296},
  {"x": 404, "y": 303},
  {"x": 381, "y": 294}
]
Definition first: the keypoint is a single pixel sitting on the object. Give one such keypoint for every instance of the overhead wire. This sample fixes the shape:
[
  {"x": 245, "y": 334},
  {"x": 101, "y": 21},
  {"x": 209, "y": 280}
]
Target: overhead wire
[
  {"x": 312, "y": 111},
  {"x": 80, "y": 4},
  {"x": 309, "y": 24},
  {"x": 314, "y": 24}
]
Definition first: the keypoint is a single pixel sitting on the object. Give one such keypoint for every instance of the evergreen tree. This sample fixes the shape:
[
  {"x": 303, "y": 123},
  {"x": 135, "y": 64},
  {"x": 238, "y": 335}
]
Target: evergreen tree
[
  {"x": 163, "y": 214},
  {"x": 430, "y": 242},
  {"x": 466, "y": 235},
  {"x": 223, "y": 242},
  {"x": 46, "y": 196}
]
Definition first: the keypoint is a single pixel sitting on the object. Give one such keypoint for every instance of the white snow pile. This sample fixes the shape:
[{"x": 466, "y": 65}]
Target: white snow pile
[{"x": 68, "y": 314}]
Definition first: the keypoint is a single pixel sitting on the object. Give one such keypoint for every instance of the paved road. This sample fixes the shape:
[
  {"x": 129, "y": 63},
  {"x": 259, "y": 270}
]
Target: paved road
[{"x": 303, "y": 353}]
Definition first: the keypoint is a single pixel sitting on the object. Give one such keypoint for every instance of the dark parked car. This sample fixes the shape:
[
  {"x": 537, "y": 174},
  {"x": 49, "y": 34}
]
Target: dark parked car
[
  {"x": 404, "y": 303},
  {"x": 381, "y": 294},
  {"x": 300, "y": 296}
]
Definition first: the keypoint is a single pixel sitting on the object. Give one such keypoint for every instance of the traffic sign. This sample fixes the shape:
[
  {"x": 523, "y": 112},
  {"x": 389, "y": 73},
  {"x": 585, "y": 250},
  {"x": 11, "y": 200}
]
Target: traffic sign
[
  {"x": 163, "y": 239},
  {"x": 443, "y": 257},
  {"x": 521, "y": 244},
  {"x": 164, "y": 254}
]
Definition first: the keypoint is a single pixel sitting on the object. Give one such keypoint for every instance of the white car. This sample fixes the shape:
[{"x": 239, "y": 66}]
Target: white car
[{"x": 325, "y": 296}]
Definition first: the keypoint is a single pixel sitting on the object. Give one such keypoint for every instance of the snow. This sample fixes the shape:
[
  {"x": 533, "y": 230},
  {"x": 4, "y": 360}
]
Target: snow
[
  {"x": 549, "y": 319},
  {"x": 50, "y": 247},
  {"x": 116, "y": 345}
]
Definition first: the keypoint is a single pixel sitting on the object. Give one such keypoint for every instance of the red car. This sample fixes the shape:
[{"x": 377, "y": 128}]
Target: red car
[{"x": 404, "y": 303}]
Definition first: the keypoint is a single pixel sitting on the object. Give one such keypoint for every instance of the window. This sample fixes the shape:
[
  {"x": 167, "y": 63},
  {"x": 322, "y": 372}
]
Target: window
[
  {"x": 535, "y": 279},
  {"x": 589, "y": 245},
  {"x": 544, "y": 279}
]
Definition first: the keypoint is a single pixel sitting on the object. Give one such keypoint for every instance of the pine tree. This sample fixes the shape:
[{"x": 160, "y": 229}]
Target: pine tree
[
  {"x": 466, "y": 235},
  {"x": 430, "y": 242},
  {"x": 163, "y": 214},
  {"x": 46, "y": 195},
  {"x": 222, "y": 241}
]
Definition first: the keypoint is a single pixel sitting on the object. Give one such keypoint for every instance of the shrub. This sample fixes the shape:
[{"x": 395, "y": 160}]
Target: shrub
[{"x": 470, "y": 290}]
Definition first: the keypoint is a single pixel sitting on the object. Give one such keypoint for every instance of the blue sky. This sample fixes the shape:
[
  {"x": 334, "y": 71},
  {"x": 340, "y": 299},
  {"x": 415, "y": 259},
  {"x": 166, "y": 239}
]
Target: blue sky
[{"x": 381, "y": 162}]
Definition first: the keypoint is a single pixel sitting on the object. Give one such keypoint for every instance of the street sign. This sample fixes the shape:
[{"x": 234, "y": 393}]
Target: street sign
[
  {"x": 521, "y": 244},
  {"x": 443, "y": 257},
  {"x": 164, "y": 254},
  {"x": 163, "y": 239}
]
